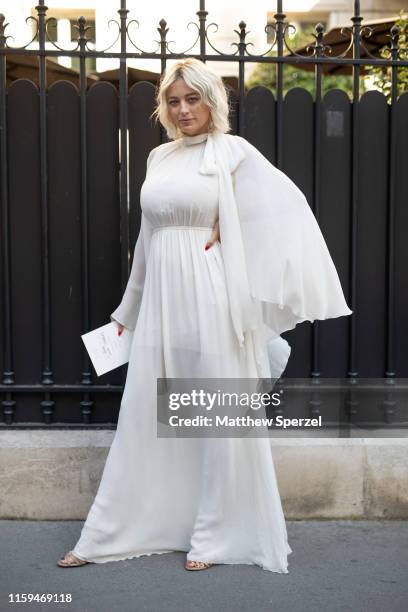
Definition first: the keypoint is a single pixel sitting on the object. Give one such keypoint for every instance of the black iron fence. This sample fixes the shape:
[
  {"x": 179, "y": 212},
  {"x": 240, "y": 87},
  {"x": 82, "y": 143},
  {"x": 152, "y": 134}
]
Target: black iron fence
[{"x": 72, "y": 161}]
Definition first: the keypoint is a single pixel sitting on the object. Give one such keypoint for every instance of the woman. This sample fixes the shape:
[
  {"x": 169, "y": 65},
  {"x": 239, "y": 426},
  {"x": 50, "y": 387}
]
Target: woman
[{"x": 228, "y": 257}]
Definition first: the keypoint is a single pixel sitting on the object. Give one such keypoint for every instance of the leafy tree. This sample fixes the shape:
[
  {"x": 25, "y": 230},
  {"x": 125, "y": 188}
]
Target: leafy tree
[{"x": 381, "y": 75}]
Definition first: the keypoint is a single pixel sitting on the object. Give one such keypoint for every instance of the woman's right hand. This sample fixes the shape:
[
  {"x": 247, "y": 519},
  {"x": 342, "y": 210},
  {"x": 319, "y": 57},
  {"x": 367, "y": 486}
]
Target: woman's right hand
[
  {"x": 214, "y": 236},
  {"x": 120, "y": 328}
]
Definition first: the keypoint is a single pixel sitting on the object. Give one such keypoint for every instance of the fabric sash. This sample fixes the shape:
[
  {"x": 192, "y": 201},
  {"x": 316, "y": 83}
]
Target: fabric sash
[{"x": 219, "y": 158}]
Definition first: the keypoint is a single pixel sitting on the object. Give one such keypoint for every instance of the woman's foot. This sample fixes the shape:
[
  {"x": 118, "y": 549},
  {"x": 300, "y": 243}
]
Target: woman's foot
[
  {"x": 70, "y": 560},
  {"x": 197, "y": 565}
]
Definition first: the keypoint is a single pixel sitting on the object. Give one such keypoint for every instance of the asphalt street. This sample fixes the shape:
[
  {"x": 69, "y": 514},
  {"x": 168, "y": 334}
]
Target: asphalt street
[{"x": 336, "y": 566}]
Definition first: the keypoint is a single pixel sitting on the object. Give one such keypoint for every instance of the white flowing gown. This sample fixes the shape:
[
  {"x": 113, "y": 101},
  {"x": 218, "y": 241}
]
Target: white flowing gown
[{"x": 214, "y": 498}]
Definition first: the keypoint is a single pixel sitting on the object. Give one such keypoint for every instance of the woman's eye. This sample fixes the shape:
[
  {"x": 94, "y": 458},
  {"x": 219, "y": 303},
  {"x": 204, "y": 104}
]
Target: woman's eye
[{"x": 191, "y": 100}]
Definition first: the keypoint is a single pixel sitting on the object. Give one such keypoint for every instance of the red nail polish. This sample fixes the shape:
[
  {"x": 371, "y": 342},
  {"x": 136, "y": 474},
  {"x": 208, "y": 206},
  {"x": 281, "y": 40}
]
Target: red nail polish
[{"x": 207, "y": 246}]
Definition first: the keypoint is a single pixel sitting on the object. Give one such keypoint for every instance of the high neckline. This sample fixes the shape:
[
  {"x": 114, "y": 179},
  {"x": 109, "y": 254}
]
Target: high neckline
[{"x": 190, "y": 140}]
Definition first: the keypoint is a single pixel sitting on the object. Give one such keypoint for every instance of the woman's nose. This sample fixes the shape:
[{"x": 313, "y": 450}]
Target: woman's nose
[{"x": 183, "y": 108}]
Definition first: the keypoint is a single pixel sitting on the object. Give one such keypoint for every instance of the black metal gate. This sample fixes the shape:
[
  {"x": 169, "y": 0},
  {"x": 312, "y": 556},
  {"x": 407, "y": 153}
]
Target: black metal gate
[{"x": 72, "y": 158}]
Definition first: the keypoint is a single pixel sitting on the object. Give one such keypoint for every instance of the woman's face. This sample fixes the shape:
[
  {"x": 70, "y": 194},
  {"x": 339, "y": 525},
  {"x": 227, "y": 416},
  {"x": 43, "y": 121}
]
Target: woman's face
[{"x": 186, "y": 109}]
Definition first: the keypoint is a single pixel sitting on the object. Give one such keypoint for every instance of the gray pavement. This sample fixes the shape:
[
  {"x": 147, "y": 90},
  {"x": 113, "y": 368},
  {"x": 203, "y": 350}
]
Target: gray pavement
[{"x": 335, "y": 566}]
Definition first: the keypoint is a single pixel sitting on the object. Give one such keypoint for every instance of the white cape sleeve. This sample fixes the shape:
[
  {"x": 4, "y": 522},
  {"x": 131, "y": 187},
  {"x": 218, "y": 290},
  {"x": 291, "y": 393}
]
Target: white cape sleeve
[{"x": 290, "y": 270}]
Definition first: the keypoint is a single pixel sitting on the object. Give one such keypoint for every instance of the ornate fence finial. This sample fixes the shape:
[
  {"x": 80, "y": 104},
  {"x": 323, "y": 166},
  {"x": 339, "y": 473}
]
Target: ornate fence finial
[
  {"x": 319, "y": 47},
  {"x": 3, "y": 26},
  {"x": 82, "y": 30},
  {"x": 395, "y": 32},
  {"x": 162, "y": 30},
  {"x": 242, "y": 33}
]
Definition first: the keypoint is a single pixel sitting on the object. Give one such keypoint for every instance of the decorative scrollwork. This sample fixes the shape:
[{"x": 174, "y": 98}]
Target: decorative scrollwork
[
  {"x": 212, "y": 46},
  {"x": 156, "y": 41},
  {"x": 318, "y": 46},
  {"x": 349, "y": 46},
  {"x": 267, "y": 29},
  {"x": 3, "y": 27},
  {"x": 54, "y": 44},
  {"x": 243, "y": 45},
  {"x": 394, "y": 51},
  {"x": 366, "y": 31},
  {"x": 355, "y": 35},
  {"x": 81, "y": 42},
  {"x": 189, "y": 48},
  {"x": 287, "y": 27},
  {"x": 87, "y": 41},
  {"x": 242, "y": 33}
]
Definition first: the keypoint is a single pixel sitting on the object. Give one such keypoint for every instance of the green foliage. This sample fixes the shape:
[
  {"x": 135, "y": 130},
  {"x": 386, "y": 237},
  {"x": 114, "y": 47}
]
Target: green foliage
[
  {"x": 376, "y": 77},
  {"x": 381, "y": 75},
  {"x": 265, "y": 74}
]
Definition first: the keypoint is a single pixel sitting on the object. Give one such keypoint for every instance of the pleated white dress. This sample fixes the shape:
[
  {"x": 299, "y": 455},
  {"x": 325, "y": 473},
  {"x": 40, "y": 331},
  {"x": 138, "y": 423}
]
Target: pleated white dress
[{"x": 217, "y": 499}]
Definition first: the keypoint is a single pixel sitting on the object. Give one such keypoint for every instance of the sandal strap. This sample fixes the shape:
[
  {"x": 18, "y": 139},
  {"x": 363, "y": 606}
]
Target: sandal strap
[
  {"x": 71, "y": 559},
  {"x": 203, "y": 564}
]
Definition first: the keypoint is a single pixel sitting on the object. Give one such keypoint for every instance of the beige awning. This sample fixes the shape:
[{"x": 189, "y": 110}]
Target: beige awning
[{"x": 339, "y": 43}]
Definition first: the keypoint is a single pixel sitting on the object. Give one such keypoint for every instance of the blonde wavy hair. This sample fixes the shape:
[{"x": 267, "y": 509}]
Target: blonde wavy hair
[{"x": 202, "y": 79}]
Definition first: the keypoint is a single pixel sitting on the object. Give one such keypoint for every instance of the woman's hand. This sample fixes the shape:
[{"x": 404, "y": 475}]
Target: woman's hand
[
  {"x": 119, "y": 326},
  {"x": 214, "y": 236}
]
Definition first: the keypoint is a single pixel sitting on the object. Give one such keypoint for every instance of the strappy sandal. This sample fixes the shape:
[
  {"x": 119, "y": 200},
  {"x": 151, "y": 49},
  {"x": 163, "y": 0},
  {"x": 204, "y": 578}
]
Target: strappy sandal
[
  {"x": 197, "y": 565},
  {"x": 70, "y": 560}
]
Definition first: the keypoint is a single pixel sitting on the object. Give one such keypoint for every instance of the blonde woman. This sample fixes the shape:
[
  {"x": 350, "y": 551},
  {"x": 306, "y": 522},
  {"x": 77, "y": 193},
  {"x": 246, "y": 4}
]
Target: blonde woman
[{"x": 228, "y": 257}]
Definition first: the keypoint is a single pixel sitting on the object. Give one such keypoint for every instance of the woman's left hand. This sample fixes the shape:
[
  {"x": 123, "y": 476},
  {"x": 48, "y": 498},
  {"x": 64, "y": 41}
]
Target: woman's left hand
[{"x": 214, "y": 236}]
